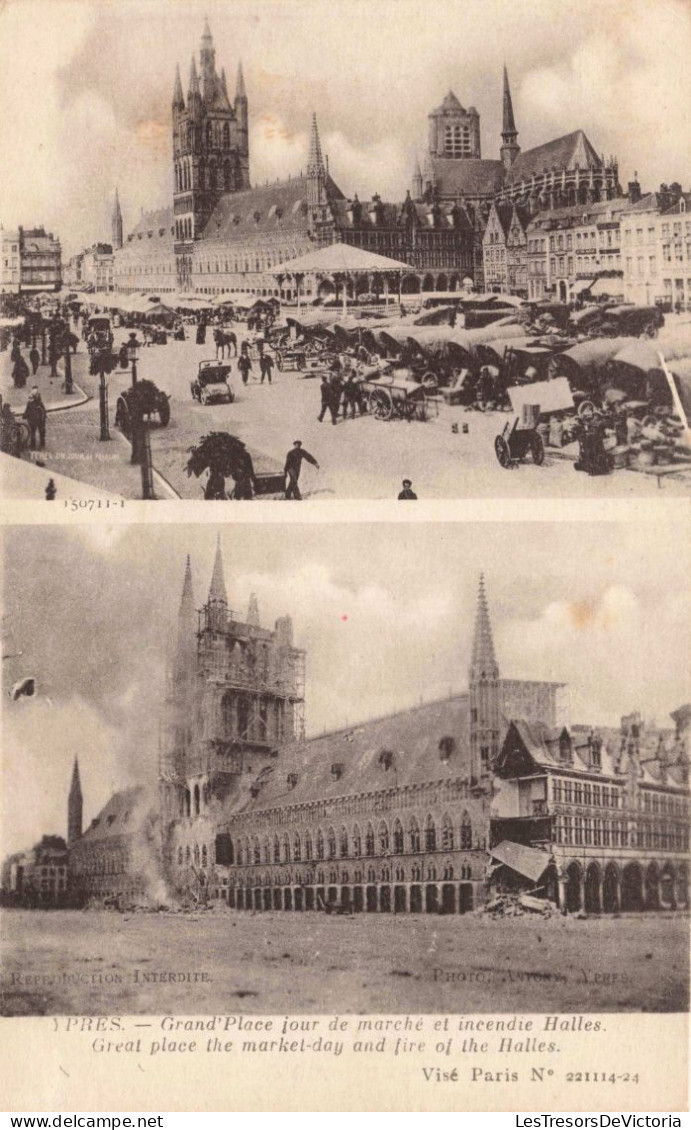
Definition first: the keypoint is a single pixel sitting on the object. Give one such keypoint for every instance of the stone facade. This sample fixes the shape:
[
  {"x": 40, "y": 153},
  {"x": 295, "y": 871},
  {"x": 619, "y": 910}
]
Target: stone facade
[{"x": 656, "y": 250}]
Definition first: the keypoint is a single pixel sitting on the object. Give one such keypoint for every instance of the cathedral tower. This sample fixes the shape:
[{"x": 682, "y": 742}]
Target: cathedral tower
[
  {"x": 453, "y": 131},
  {"x": 116, "y": 224},
  {"x": 210, "y": 150},
  {"x": 483, "y": 684},
  {"x": 509, "y": 145},
  {"x": 74, "y": 806}
]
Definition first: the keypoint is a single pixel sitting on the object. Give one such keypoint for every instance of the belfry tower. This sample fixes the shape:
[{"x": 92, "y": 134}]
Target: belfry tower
[
  {"x": 483, "y": 684},
  {"x": 210, "y": 149},
  {"x": 74, "y": 806},
  {"x": 509, "y": 134}
]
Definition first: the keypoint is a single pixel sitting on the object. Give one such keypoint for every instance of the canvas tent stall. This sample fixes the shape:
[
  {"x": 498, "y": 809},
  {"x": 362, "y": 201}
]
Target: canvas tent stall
[{"x": 342, "y": 265}]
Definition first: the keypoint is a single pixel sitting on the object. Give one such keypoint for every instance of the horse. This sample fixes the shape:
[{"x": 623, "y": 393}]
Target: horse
[{"x": 224, "y": 340}]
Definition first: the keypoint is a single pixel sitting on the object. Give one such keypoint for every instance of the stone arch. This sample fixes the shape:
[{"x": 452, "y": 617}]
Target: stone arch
[
  {"x": 331, "y": 843},
  {"x": 574, "y": 878},
  {"x": 226, "y": 135},
  {"x": 414, "y": 834},
  {"x": 286, "y": 848},
  {"x": 593, "y": 888},
  {"x": 551, "y": 878},
  {"x": 297, "y": 848},
  {"x": 466, "y": 832},
  {"x": 344, "y": 843},
  {"x": 652, "y": 887},
  {"x": 369, "y": 840},
  {"x": 398, "y": 842},
  {"x": 384, "y": 840},
  {"x": 320, "y": 844},
  {"x": 442, "y": 282},
  {"x": 632, "y": 887},
  {"x": 428, "y": 283},
  {"x": 454, "y": 282},
  {"x": 357, "y": 841},
  {"x": 410, "y": 284},
  {"x": 430, "y": 833},
  {"x": 447, "y": 833},
  {"x": 682, "y": 894}
]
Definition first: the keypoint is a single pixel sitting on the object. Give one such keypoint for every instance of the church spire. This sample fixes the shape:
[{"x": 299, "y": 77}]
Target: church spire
[
  {"x": 509, "y": 146},
  {"x": 116, "y": 223},
  {"x": 483, "y": 658},
  {"x": 217, "y": 589},
  {"x": 187, "y": 599},
  {"x": 178, "y": 98},
  {"x": 315, "y": 161},
  {"x": 417, "y": 179},
  {"x": 74, "y": 806}
]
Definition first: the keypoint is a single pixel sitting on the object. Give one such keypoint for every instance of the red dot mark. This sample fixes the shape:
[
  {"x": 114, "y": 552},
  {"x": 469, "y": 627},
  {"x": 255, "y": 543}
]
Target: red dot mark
[{"x": 344, "y": 616}]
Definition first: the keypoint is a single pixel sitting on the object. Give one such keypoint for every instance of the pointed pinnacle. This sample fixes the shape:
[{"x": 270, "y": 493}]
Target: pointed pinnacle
[
  {"x": 508, "y": 124},
  {"x": 253, "y": 611},
  {"x": 194, "y": 80},
  {"x": 315, "y": 159},
  {"x": 240, "y": 83},
  {"x": 178, "y": 97}
]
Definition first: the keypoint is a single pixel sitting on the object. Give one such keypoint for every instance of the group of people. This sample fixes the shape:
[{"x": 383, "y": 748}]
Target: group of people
[
  {"x": 338, "y": 389},
  {"x": 245, "y": 479}
]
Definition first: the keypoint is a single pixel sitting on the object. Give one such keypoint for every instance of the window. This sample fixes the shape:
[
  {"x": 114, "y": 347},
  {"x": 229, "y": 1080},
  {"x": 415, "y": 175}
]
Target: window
[
  {"x": 205, "y": 856},
  {"x": 369, "y": 840},
  {"x": 331, "y": 841},
  {"x": 320, "y": 844},
  {"x": 344, "y": 843},
  {"x": 308, "y": 846},
  {"x": 466, "y": 832},
  {"x": 457, "y": 141},
  {"x": 297, "y": 854},
  {"x": 447, "y": 833},
  {"x": 414, "y": 834},
  {"x": 430, "y": 834},
  {"x": 383, "y": 838},
  {"x": 398, "y": 837}
]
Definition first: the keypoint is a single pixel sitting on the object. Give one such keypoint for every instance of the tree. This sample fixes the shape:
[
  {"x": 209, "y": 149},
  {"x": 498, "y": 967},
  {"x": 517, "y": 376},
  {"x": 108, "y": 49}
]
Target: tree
[{"x": 222, "y": 455}]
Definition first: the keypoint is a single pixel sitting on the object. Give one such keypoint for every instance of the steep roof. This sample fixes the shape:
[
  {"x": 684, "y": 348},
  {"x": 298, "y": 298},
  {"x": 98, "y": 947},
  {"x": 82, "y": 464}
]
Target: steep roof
[
  {"x": 561, "y": 153},
  {"x": 450, "y": 103},
  {"x": 466, "y": 176},
  {"x": 342, "y": 257},
  {"x": 281, "y": 206},
  {"x": 410, "y": 738},
  {"x": 121, "y": 816},
  {"x": 155, "y": 225}
]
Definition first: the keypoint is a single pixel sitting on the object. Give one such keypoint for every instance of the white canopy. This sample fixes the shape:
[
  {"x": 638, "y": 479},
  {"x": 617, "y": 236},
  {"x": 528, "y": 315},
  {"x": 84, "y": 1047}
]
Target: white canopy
[{"x": 340, "y": 258}]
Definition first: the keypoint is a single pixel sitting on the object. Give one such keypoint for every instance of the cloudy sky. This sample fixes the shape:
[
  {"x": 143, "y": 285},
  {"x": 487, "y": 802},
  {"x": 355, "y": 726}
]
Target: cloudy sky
[
  {"x": 385, "y": 622},
  {"x": 86, "y": 85}
]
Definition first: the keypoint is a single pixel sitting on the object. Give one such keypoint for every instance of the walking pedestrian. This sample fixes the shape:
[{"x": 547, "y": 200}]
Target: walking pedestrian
[
  {"x": 35, "y": 416},
  {"x": 407, "y": 491},
  {"x": 34, "y": 358},
  {"x": 20, "y": 372},
  {"x": 243, "y": 475},
  {"x": 266, "y": 365},
  {"x": 293, "y": 466},
  {"x": 327, "y": 400},
  {"x": 350, "y": 395},
  {"x": 244, "y": 365}
]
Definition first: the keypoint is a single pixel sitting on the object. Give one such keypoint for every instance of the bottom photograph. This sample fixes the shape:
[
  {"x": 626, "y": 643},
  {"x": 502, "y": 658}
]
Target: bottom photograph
[{"x": 345, "y": 768}]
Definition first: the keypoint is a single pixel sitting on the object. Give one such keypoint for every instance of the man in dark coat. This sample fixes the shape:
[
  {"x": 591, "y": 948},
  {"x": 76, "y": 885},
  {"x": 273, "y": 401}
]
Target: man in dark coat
[
  {"x": 351, "y": 395},
  {"x": 407, "y": 491},
  {"x": 293, "y": 466},
  {"x": 243, "y": 475},
  {"x": 244, "y": 365},
  {"x": 35, "y": 416},
  {"x": 20, "y": 372},
  {"x": 35, "y": 359},
  {"x": 327, "y": 396},
  {"x": 266, "y": 365}
]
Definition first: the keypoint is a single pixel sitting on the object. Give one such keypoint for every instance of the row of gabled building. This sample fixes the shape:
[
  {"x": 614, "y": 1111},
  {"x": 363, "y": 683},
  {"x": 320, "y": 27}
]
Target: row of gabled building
[
  {"x": 30, "y": 261},
  {"x": 636, "y": 247}
]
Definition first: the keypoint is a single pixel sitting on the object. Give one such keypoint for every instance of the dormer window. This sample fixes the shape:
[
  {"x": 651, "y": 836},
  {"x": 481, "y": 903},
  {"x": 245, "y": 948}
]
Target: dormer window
[
  {"x": 565, "y": 746},
  {"x": 337, "y": 770},
  {"x": 292, "y": 780},
  {"x": 386, "y": 758},
  {"x": 447, "y": 745}
]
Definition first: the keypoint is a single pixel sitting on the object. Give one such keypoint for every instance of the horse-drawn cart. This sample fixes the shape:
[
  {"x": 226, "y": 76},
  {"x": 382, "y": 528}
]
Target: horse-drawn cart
[
  {"x": 391, "y": 397},
  {"x": 290, "y": 358}
]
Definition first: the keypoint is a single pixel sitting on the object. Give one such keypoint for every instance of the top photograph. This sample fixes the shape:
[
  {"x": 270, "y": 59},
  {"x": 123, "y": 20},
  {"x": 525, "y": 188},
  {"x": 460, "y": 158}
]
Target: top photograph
[{"x": 322, "y": 252}]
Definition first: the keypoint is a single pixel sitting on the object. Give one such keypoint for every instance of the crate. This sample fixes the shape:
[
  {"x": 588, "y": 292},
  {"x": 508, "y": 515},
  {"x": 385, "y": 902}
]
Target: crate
[{"x": 270, "y": 482}]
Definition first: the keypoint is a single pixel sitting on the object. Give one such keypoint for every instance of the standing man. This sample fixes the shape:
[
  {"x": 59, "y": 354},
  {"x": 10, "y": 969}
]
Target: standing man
[
  {"x": 326, "y": 391},
  {"x": 407, "y": 491},
  {"x": 35, "y": 416},
  {"x": 293, "y": 465},
  {"x": 35, "y": 358},
  {"x": 244, "y": 365},
  {"x": 266, "y": 365}
]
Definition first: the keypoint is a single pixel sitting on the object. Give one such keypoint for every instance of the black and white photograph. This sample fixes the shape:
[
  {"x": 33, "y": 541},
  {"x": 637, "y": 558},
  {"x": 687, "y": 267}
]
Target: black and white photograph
[
  {"x": 264, "y": 769},
  {"x": 390, "y": 250}
]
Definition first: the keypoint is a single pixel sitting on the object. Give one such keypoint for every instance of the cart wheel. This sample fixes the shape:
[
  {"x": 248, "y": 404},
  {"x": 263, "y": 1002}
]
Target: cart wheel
[
  {"x": 164, "y": 411},
  {"x": 23, "y": 435},
  {"x": 586, "y": 409},
  {"x": 537, "y": 448},
  {"x": 501, "y": 450},
  {"x": 429, "y": 380},
  {"x": 381, "y": 404},
  {"x": 279, "y": 362},
  {"x": 408, "y": 409},
  {"x": 122, "y": 416}
]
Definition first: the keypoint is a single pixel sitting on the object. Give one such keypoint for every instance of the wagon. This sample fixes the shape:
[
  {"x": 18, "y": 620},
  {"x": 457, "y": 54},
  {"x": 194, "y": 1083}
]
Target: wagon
[
  {"x": 212, "y": 383},
  {"x": 393, "y": 397},
  {"x": 290, "y": 357},
  {"x": 515, "y": 441},
  {"x": 150, "y": 400}
]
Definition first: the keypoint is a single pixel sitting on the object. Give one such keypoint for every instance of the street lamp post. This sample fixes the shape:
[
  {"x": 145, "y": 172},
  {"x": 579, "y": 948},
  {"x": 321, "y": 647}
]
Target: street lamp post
[
  {"x": 103, "y": 396},
  {"x": 146, "y": 465},
  {"x": 132, "y": 355},
  {"x": 68, "y": 363}
]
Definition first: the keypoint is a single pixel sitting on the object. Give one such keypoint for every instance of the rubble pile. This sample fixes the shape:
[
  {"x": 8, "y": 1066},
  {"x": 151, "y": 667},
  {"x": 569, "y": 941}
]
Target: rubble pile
[{"x": 516, "y": 905}]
